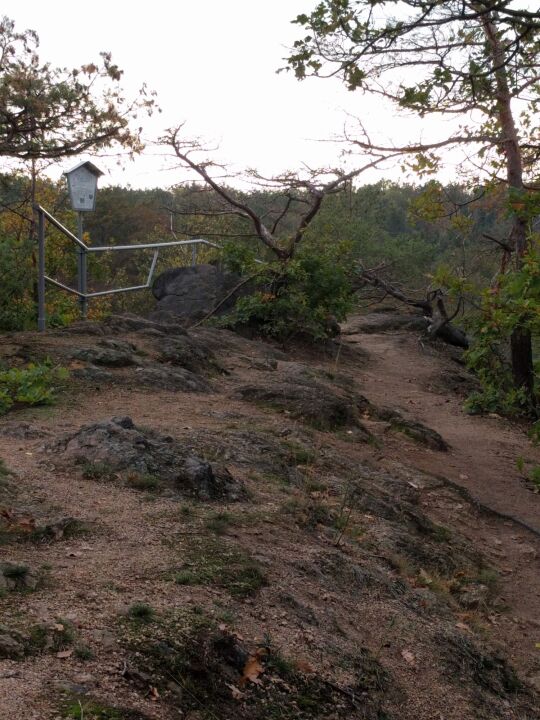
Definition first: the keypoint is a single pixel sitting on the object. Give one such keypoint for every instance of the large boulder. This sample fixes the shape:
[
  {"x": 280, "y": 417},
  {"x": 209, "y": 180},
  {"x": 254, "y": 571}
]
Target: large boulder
[{"x": 191, "y": 293}]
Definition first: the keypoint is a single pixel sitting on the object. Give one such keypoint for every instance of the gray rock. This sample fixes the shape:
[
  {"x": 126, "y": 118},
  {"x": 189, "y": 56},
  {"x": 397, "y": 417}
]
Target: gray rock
[
  {"x": 207, "y": 481},
  {"x": 21, "y": 431},
  {"x": 309, "y": 398},
  {"x": 191, "y": 293},
  {"x": 188, "y": 353},
  {"x": 265, "y": 364},
  {"x": 12, "y": 643},
  {"x": 92, "y": 374},
  {"x": 122, "y": 345},
  {"x": 473, "y": 596},
  {"x": 170, "y": 378},
  {"x": 128, "y": 322},
  {"x": 59, "y": 529},
  {"x": 413, "y": 429},
  {"x": 107, "y": 356},
  {"x": 118, "y": 445}
]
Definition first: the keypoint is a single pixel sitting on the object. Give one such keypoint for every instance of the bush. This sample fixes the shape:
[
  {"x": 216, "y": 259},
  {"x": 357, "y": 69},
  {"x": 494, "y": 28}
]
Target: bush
[
  {"x": 515, "y": 304},
  {"x": 32, "y": 385},
  {"x": 305, "y": 296}
]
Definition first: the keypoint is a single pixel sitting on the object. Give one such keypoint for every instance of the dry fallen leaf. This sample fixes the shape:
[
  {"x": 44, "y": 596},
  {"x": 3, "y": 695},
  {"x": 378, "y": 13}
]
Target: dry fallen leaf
[
  {"x": 408, "y": 657},
  {"x": 253, "y": 668},
  {"x": 304, "y": 666}
]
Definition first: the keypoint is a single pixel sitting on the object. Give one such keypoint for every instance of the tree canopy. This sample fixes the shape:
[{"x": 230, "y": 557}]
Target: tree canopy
[
  {"x": 477, "y": 61},
  {"x": 48, "y": 112}
]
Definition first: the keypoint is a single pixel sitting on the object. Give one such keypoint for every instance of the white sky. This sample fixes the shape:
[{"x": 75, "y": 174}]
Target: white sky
[{"x": 213, "y": 64}]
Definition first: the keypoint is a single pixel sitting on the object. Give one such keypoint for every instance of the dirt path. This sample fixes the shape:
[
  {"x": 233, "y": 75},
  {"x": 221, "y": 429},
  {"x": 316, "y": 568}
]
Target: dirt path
[
  {"x": 136, "y": 537},
  {"x": 401, "y": 374}
]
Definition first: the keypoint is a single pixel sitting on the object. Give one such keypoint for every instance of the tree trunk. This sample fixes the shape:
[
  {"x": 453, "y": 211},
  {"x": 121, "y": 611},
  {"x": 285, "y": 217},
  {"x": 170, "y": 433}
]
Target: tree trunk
[{"x": 520, "y": 340}]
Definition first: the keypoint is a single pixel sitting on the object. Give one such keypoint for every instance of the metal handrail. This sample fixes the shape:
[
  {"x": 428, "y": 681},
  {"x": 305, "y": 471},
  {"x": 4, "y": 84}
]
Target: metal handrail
[{"x": 83, "y": 249}]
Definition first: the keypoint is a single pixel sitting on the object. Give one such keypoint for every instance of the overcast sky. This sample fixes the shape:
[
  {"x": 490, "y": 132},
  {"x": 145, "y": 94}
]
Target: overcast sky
[{"x": 213, "y": 64}]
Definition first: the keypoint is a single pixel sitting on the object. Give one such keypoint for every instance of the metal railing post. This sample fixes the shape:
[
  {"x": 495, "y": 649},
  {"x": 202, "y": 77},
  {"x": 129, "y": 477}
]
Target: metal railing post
[
  {"x": 82, "y": 269},
  {"x": 84, "y": 250},
  {"x": 41, "y": 272}
]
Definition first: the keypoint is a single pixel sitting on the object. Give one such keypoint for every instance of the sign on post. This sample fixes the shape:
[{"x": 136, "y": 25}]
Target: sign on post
[{"x": 82, "y": 186}]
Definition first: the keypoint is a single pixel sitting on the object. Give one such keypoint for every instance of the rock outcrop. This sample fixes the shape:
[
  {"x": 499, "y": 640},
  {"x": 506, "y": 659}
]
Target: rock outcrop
[
  {"x": 191, "y": 293},
  {"x": 115, "y": 446}
]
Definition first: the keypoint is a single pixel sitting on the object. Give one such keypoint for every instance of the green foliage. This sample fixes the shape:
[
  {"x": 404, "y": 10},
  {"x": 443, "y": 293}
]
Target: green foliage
[
  {"x": 210, "y": 562},
  {"x": 97, "y": 471},
  {"x": 534, "y": 476},
  {"x": 145, "y": 481},
  {"x": 53, "y": 638},
  {"x": 51, "y": 112},
  {"x": 514, "y": 304},
  {"x": 17, "y": 310},
  {"x": 83, "y": 652},
  {"x": 85, "y": 708},
  {"x": 141, "y": 612},
  {"x": 300, "y": 297},
  {"x": 33, "y": 385}
]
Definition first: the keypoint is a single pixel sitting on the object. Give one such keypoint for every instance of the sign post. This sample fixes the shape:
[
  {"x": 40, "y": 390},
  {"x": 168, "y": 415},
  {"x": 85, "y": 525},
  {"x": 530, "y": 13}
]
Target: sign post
[{"x": 82, "y": 185}]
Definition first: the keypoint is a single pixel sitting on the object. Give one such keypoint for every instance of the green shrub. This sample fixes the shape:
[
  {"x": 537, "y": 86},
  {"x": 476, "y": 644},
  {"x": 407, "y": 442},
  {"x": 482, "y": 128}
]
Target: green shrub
[
  {"x": 515, "y": 305},
  {"x": 304, "y": 296},
  {"x": 141, "y": 612},
  {"x": 32, "y": 385}
]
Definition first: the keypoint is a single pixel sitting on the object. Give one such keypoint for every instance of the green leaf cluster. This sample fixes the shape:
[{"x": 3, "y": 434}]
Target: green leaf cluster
[
  {"x": 32, "y": 385},
  {"x": 515, "y": 303},
  {"x": 304, "y": 297}
]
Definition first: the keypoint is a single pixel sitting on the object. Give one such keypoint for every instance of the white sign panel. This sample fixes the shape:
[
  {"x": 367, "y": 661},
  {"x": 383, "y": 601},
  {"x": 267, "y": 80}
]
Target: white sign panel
[{"x": 82, "y": 189}]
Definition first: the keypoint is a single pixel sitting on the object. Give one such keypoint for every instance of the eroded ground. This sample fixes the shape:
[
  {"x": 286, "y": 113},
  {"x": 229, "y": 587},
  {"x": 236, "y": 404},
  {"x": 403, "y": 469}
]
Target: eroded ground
[{"x": 360, "y": 548}]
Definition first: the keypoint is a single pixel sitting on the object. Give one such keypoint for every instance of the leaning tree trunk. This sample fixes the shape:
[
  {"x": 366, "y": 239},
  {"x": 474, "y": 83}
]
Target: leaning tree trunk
[
  {"x": 438, "y": 324},
  {"x": 520, "y": 340}
]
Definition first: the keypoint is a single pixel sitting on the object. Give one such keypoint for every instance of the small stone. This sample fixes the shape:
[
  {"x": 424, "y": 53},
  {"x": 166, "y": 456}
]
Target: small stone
[{"x": 85, "y": 679}]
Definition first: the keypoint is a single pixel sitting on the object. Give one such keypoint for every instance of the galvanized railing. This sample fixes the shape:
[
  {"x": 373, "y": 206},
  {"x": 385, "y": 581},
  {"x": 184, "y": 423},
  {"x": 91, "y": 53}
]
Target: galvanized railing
[{"x": 82, "y": 267}]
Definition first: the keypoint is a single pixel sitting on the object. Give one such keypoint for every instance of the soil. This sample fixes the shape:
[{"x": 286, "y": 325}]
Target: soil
[{"x": 343, "y": 578}]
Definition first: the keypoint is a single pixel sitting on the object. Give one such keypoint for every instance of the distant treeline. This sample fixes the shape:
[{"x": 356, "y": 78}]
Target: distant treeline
[{"x": 407, "y": 231}]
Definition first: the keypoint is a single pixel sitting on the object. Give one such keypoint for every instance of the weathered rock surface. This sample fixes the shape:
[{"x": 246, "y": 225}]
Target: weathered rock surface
[
  {"x": 308, "y": 397},
  {"x": 259, "y": 451},
  {"x": 21, "y": 430},
  {"x": 190, "y": 293},
  {"x": 92, "y": 374},
  {"x": 118, "y": 445},
  {"x": 12, "y": 643},
  {"x": 189, "y": 353},
  {"x": 128, "y": 322},
  {"x": 111, "y": 353},
  {"x": 413, "y": 429},
  {"x": 171, "y": 378}
]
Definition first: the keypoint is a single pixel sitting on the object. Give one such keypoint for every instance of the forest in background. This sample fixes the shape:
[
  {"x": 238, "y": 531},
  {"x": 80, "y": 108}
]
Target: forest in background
[{"x": 416, "y": 236}]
